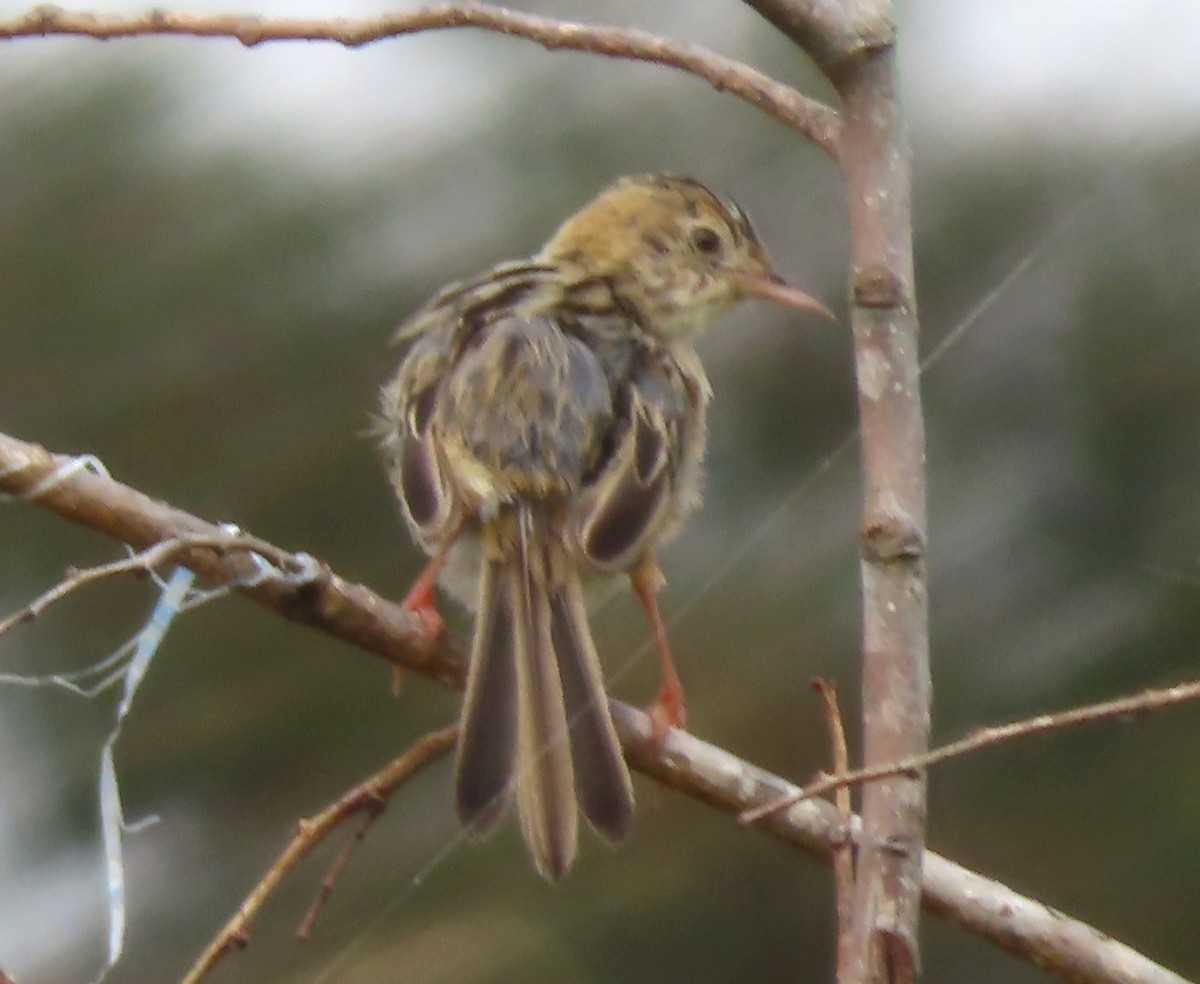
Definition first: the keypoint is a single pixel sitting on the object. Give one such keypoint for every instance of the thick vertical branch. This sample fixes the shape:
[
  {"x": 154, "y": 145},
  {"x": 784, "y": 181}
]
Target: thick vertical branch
[
  {"x": 896, "y": 687},
  {"x": 853, "y": 43},
  {"x": 829, "y": 31}
]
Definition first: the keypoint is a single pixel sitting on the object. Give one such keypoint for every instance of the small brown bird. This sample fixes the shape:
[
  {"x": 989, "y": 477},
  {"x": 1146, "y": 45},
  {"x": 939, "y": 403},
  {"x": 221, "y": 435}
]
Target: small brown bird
[{"x": 547, "y": 426}]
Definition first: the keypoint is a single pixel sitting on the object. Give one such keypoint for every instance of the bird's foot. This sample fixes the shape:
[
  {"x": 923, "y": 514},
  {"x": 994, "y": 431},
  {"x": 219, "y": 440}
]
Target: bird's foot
[
  {"x": 665, "y": 713},
  {"x": 420, "y": 602}
]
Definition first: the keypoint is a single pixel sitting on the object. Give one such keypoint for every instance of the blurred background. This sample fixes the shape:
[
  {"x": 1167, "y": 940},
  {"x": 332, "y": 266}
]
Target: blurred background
[{"x": 203, "y": 252}]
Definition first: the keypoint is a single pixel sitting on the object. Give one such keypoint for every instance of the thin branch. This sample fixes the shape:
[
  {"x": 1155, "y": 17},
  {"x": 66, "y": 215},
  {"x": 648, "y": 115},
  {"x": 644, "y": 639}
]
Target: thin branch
[
  {"x": 809, "y": 117},
  {"x": 1109, "y": 710},
  {"x": 1063, "y": 946},
  {"x": 843, "y": 857},
  {"x": 370, "y": 796},
  {"x": 143, "y": 563}
]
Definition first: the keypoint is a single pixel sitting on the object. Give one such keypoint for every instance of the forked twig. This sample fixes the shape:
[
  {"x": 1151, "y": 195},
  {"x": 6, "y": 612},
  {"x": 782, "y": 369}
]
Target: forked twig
[{"x": 371, "y": 797}]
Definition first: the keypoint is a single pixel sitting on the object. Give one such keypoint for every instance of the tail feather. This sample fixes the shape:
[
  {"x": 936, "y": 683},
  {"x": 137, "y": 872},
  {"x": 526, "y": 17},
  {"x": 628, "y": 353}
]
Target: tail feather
[
  {"x": 545, "y": 775},
  {"x": 601, "y": 776},
  {"x": 535, "y": 713},
  {"x": 488, "y": 741}
]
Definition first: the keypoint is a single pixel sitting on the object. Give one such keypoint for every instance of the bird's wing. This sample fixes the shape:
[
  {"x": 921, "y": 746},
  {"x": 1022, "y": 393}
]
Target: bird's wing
[
  {"x": 418, "y": 466},
  {"x": 470, "y": 302},
  {"x": 652, "y": 472}
]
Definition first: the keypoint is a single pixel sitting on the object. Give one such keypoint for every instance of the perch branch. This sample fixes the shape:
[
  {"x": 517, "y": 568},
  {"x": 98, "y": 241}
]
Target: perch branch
[
  {"x": 348, "y": 611},
  {"x": 369, "y": 797},
  {"x": 1063, "y": 946},
  {"x": 808, "y": 117}
]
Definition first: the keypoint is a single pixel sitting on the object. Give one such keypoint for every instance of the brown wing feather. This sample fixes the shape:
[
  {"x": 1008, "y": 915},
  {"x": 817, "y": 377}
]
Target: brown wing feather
[
  {"x": 418, "y": 470},
  {"x": 487, "y": 745},
  {"x": 636, "y": 493},
  {"x": 545, "y": 772},
  {"x": 602, "y": 782}
]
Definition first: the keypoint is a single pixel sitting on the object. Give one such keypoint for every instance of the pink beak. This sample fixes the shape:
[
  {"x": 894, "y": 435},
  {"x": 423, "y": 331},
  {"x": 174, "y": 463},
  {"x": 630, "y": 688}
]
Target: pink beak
[{"x": 773, "y": 288}]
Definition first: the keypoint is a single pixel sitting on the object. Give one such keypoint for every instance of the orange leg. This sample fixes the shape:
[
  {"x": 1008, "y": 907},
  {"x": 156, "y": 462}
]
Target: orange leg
[
  {"x": 667, "y": 711},
  {"x": 420, "y": 599}
]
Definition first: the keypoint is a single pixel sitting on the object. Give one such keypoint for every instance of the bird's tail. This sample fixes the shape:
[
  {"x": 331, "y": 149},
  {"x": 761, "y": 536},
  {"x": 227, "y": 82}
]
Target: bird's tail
[{"x": 535, "y": 713}]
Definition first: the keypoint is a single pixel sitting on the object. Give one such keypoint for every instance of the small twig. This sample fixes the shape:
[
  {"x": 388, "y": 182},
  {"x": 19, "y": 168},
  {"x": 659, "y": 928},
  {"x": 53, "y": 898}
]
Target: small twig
[
  {"x": 843, "y": 856},
  {"x": 370, "y": 795},
  {"x": 145, "y": 562},
  {"x": 1141, "y": 703},
  {"x": 373, "y": 810},
  {"x": 809, "y": 117}
]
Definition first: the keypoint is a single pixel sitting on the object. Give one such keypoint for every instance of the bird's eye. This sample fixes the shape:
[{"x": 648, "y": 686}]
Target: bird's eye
[{"x": 706, "y": 240}]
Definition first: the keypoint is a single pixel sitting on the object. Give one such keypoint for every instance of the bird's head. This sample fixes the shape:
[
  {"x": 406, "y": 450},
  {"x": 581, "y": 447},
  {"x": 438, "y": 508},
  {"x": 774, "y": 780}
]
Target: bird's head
[{"x": 673, "y": 252}]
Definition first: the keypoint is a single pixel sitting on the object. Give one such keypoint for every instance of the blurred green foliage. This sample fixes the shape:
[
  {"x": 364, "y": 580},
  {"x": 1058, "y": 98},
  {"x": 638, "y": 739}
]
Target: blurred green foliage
[{"x": 213, "y": 325}]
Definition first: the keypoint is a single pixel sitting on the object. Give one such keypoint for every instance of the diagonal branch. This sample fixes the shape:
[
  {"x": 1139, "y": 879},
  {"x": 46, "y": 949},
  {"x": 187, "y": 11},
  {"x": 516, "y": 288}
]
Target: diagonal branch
[
  {"x": 1063, "y": 946},
  {"x": 808, "y": 117},
  {"x": 347, "y": 611}
]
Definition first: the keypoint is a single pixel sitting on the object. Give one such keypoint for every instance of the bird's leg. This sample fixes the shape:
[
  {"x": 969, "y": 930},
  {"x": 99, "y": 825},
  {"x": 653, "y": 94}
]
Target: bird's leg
[
  {"x": 667, "y": 711},
  {"x": 420, "y": 599}
]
